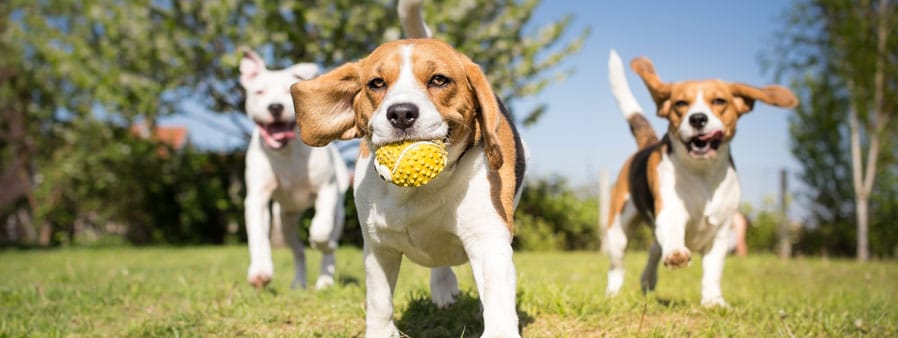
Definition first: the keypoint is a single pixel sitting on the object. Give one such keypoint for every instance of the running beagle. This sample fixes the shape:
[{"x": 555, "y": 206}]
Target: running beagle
[
  {"x": 423, "y": 89},
  {"x": 685, "y": 185}
]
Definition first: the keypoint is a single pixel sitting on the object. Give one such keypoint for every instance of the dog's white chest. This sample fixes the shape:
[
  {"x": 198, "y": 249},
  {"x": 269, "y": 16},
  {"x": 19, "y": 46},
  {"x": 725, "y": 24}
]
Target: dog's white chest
[
  {"x": 428, "y": 223},
  {"x": 296, "y": 172},
  {"x": 708, "y": 198}
]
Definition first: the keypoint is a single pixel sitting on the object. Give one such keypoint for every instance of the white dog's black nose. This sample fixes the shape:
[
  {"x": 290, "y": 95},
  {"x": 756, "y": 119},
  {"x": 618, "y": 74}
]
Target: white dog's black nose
[
  {"x": 276, "y": 109},
  {"x": 402, "y": 115},
  {"x": 698, "y": 120}
]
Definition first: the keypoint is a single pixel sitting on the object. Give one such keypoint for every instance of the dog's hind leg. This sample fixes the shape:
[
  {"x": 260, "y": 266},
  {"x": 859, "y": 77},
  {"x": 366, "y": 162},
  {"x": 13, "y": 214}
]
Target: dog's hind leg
[
  {"x": 325, "y": 231},
  {"x": 443, "y": 286},
  {"x": 650, "y": 273},
  {"x": 616, "y": 245},
  {"x": 712, "y": 268},
  {"x": 289, "y": 225}
]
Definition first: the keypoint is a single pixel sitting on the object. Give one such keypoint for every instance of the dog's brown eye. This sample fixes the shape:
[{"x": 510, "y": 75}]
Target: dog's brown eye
[
  {"x": 681, "y": 104},
  {"x": 718, "y": 102},
  {"x": 438, "y": 81},
  {"x": 260, "y": 92},
  {"x": 376, "y": 83}
]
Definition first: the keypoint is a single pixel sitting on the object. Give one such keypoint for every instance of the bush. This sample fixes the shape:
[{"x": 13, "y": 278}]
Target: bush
[
  {"x": 553, "y": 216},
  {"x": 761, "y": 233},
  {"x": 115, "y": 182}
]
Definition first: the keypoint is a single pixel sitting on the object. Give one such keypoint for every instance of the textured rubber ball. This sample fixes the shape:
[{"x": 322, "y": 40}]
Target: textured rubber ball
[{"x": 411, "y": 163}]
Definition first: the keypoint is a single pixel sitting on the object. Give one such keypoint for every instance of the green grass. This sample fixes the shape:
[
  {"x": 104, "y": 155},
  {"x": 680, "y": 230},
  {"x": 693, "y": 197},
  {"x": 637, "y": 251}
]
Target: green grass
[{"x": 202, "y": 292}]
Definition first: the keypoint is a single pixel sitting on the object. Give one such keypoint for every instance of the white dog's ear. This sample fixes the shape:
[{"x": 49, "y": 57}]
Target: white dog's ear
[
  {"x": 304, "y": 71},
  {"x": 250, "y": 66}
]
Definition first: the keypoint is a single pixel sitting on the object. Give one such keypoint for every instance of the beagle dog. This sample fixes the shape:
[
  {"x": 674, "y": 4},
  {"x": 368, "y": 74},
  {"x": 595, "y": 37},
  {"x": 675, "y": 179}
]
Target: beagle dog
[
  {"x": 423, "y": 89},
  {"x": 684, "y": 185}
]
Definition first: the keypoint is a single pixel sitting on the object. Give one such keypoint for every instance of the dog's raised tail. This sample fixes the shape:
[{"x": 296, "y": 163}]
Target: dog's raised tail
[
  {"x": 412, "y": 19},
  {"x": 639, "y": 125}
]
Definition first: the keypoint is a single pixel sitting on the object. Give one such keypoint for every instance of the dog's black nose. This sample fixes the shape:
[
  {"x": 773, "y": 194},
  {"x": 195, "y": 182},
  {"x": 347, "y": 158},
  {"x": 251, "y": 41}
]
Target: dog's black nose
[
  {"x": 276, "y": 109},
  {"x": 402, "y": 115},
  {"x": 698, "y": 121}
]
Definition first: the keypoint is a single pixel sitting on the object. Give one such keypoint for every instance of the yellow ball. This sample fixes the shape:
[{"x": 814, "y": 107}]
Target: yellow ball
[{"x": 411, "y": 163}]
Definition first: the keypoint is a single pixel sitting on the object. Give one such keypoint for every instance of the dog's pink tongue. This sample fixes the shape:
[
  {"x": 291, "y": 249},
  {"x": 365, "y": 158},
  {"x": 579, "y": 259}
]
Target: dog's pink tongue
[
  {"x": 710, "y": 136},
  {"x": 282, "y": 135},
  {"x": 278, "y": 134}
]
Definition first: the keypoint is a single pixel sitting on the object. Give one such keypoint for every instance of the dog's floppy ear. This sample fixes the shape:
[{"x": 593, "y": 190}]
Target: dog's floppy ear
[
  {"x": 250, "y": 65},
  {"x": 324, "y": 106},
  {"x": 488, "y": 114},
  {"x": 660, "y": 91},
  {"x": 745, "y": 95}
]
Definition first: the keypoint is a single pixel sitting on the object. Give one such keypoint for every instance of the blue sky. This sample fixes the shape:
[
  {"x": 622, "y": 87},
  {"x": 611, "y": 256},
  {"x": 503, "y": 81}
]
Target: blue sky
[{"x": 583, "y": 132}]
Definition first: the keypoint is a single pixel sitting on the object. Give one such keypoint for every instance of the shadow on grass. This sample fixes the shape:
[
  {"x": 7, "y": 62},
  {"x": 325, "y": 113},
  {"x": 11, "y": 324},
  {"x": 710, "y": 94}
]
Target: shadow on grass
[
  {"x": 341, "y": 280},
  {"x": 347, "y": 280},
  {"x": 463, "y": 319},
  {"x": 672, "y": 303}
]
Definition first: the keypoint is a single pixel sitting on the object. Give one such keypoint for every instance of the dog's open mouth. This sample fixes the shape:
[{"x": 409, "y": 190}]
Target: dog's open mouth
[
  {"x": 705, "y": 145},
  {"x": 277, "y": 134}
]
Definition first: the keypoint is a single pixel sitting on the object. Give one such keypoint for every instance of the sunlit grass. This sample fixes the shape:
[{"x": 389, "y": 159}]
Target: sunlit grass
[{"x": 202, "y": 292}]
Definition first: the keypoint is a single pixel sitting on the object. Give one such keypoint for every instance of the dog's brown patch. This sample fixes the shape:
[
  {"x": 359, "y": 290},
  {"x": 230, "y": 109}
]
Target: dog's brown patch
[{"x": 505, "y": 181}]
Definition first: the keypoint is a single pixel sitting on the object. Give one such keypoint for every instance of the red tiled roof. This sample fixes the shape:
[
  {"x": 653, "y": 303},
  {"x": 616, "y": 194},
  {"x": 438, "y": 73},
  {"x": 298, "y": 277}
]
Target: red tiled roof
[{"x": 175, "y": 136}]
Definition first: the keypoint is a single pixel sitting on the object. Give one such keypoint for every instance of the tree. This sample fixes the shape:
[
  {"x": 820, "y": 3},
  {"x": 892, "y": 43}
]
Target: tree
[
  {"x": 90, "y": 69},
  {"x": 842, "y": 55}
]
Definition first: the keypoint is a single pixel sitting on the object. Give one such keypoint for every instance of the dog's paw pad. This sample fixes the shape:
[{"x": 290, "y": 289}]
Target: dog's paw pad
[
  {"x": 259, "y": 281},
  {"x": 324, "y": 282},
  {"x": 678, "y": 259}
]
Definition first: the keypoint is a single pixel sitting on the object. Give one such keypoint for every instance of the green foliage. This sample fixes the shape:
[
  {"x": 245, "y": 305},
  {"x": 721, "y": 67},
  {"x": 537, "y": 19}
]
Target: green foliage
[
  {"x": 764, "y": 222},
  {"x": 827, "y": 50},
  {"x": 553, "y": 216},
  {"x": 202, "y": 292},
  {"x": 160, "y": 196},
  {"x": 143, "y": 58},
  {"x": 82, "y": 68}
]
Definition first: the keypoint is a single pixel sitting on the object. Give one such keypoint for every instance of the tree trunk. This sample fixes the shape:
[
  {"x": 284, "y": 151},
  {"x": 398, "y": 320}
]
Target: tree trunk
[
  {"x": 860, "y": 195},
  {"x": 863, "y": 251}
]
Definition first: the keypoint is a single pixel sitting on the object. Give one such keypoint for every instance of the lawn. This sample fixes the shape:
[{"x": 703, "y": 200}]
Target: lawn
[{"x": 202, "y": 292}]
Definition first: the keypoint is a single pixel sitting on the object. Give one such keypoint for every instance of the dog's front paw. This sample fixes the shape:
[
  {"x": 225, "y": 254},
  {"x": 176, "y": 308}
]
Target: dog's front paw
[
  {"x": 259, "y": 275},
  {"x": 509, "y": 334},
  {"x": 615, "y": 282},
  {"x": 443, "y": 297},
  {"x": 259, "y": 281},
  {"x": 324, "y": 282},
  {"x": 715, "y": 302},
  {"x": 390, "y": 331},
  {"x": 678, "y": 258}
]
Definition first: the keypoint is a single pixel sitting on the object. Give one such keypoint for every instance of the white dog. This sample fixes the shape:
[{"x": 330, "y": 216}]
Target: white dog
[{"x": 296, "y": 176}]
